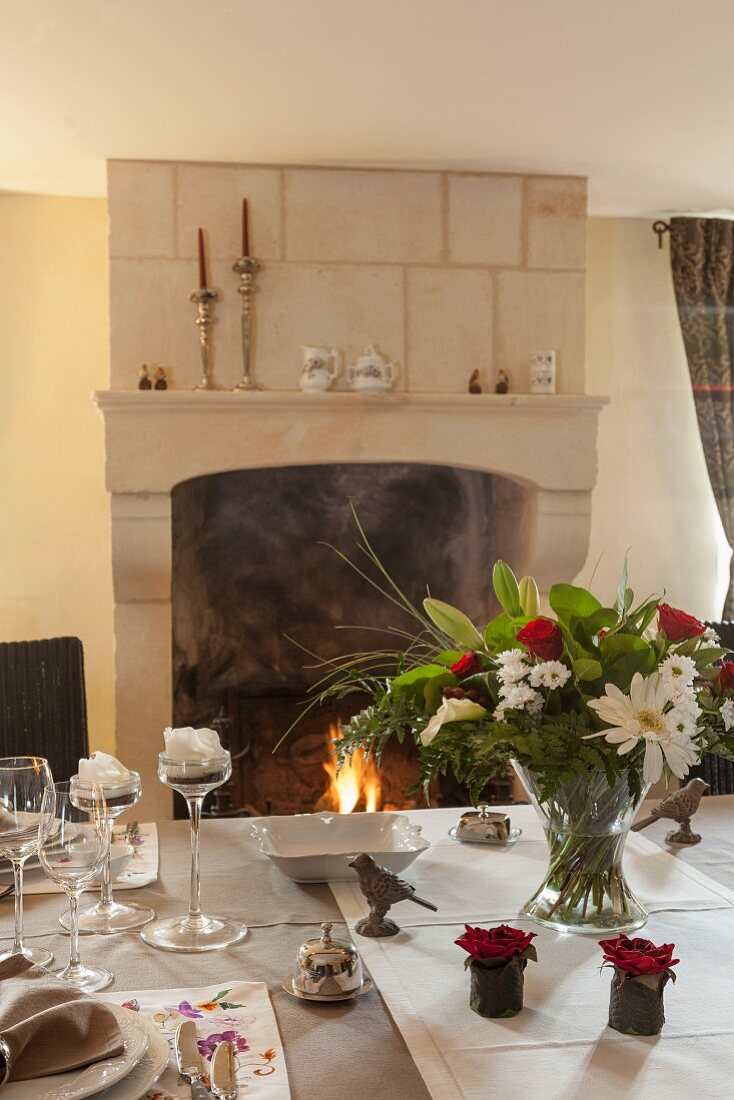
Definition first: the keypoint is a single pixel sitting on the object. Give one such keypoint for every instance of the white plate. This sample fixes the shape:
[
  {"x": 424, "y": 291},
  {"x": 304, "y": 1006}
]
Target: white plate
[
  {"x": 319, "y": 847},
  {"x": 92, "y": 1079},
  {"x": 146, "y": 1072}
]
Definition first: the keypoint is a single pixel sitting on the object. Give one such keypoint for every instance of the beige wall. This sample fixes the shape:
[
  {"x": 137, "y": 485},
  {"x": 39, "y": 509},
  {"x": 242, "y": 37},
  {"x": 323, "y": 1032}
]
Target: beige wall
[
  {"x": 653, "y": 495},
  {"x": 446, "y": 272},
  {"x": 55, "y": 571}
]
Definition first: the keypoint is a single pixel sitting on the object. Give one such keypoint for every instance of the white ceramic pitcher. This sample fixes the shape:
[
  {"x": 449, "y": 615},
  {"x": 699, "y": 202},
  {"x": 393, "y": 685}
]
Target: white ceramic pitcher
[{"x": 320, "y": 368}]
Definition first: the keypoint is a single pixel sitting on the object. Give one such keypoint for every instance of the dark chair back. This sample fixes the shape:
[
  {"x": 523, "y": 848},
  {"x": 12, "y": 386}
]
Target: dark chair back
[
  {"x": 717, "y": 772},
  {"x": 43, "y": 703}
]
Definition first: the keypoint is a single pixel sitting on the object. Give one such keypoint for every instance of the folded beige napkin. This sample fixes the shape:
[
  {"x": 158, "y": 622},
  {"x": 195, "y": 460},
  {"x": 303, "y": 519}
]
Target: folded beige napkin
[{"x": 49, "y": 1026}]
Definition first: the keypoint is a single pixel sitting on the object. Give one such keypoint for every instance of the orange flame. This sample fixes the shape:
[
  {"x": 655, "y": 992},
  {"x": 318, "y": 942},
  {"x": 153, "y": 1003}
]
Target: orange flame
[{"x": 357, "y": 781}]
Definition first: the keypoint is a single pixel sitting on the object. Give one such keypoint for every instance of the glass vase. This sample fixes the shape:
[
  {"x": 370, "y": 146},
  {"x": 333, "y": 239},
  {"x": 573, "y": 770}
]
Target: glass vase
[{"x": 586, "y": 823}]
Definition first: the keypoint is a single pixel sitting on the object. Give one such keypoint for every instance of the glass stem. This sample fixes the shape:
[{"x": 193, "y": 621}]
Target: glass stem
[
  {"x": 194, "y": 918},
  {"x": 74, "y": 960},
  {"x": 105, "y": 899},
  {"x": 18, "y": 944}
]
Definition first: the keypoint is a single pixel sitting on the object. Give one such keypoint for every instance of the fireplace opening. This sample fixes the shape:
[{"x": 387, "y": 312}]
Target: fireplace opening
[{"x": 255, "y": 572}]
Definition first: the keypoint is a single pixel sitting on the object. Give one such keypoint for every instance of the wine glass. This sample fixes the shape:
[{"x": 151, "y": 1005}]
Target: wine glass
[
  {"x": 109, "y": 915},
  {"x": 74, "y": 844},
  {"x": 23, "y": 780},
  {"x": 194, "y": 932}
]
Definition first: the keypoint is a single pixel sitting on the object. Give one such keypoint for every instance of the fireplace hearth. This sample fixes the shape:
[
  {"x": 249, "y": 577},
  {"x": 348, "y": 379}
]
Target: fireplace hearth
[{"x": 257, "y": 587}]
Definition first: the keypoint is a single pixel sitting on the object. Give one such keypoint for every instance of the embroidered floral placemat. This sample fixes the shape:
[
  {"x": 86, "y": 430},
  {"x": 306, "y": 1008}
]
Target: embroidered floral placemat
[{"x": 238, "y": 1011}]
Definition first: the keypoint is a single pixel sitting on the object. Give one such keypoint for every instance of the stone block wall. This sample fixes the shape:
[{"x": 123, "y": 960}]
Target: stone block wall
[{"x": 446, "y": 272}]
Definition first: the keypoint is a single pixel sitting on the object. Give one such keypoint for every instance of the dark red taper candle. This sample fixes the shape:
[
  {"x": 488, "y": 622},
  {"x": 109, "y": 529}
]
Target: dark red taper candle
[
  {"x": 245, "y": 230},
  {"x": 202, "y": 261}
]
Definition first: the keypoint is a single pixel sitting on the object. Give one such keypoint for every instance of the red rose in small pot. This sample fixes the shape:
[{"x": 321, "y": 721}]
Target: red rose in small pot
[
  {"x": 502, "y": 942},
  {"x": 468, "y": 665},
  {"x": 638, "y": 956},
  {"x": 542, "y": 638},
  {"x": 725, "y": 679},
  {"x": 677, "y": 625}
]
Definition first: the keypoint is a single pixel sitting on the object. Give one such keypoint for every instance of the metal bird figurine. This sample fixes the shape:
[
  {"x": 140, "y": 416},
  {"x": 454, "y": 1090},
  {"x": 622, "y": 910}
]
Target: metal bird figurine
[
  {"x": 382, "y": 889},
  {"x": 679, "y": 806}
]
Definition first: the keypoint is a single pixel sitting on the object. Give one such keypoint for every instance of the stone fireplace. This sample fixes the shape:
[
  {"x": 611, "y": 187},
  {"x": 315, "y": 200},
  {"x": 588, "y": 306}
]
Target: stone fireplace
[{"x": 447, "y": 272}]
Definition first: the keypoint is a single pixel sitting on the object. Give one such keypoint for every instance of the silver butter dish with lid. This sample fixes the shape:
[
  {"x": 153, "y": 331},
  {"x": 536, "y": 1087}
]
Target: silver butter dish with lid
[
  {"x": 327, "y": 970},
  {"x": 484, "y": 826}
]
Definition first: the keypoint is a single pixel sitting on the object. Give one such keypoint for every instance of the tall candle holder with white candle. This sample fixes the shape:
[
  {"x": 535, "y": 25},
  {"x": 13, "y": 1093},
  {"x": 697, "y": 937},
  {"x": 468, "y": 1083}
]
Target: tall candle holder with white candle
[{"x": 193, "y": 764}]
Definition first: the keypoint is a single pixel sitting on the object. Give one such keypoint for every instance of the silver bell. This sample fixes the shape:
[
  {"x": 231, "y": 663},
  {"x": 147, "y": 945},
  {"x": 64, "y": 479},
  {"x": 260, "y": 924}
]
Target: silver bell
[{"x": 327, "y": 967}]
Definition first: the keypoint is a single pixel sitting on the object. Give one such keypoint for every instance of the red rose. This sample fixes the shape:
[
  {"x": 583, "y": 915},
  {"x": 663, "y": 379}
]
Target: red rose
[
  {"x": 502, "y": 942},
  {"x": 677, "y": 625},
  {"x": 725, "y": 679},
  {"x": 542, "y": 638},
  {"x": 638, "y": 956},
  {"x": 468, "y": 665}
]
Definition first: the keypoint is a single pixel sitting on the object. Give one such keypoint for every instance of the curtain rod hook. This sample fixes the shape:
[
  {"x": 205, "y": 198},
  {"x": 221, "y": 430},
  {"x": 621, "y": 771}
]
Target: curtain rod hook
[{"x": 660, "y": 227}]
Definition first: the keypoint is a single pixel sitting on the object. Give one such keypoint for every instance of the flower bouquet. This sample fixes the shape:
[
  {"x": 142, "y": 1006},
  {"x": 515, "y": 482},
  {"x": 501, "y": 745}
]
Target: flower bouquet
[
  {"x": 641, "y": 972},
  {"x": 497, "y": 958},
  {"x": 590, "y": 703}
]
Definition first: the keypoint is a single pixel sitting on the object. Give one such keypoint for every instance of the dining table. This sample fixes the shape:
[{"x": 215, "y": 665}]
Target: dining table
[{"x": 351, "y": 1050}]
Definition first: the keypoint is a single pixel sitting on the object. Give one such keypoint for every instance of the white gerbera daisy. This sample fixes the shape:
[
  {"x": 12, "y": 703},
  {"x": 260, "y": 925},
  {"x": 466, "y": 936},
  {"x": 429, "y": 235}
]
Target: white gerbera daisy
[
  {"x": 727, "y": 713},
  {"x": 641, "y": 716},
  {"x": 550, "y": 674}
]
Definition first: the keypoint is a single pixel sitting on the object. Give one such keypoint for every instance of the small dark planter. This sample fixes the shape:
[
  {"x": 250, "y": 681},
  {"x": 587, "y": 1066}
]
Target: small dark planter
[
  {"x": 636, "y": 1002},
  {"x": 497, "y": 986}
]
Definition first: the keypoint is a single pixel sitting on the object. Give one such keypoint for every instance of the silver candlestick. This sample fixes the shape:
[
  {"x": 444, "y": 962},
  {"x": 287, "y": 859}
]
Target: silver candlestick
[
  {"x": 247, "y": 268},
  {"x": 204, "y": 299}
]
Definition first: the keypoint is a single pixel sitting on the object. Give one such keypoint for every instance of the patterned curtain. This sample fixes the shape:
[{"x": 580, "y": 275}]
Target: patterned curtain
[{"x": 702, "y": 259}]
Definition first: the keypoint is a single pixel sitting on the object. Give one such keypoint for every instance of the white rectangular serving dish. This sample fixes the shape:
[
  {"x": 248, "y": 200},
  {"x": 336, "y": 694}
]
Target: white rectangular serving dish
[{"x": 319, "y": 847}]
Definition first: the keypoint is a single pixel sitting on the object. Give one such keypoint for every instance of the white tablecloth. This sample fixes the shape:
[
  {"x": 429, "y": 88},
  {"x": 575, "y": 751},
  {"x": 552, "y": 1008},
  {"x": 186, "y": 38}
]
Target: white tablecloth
[{"x": 559, "y": 1045}]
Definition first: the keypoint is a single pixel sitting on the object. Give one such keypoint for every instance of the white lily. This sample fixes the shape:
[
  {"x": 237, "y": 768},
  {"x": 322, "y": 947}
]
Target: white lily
[
  {"x": 641, "y": 716},
  {"x": 451, "y": 710}
]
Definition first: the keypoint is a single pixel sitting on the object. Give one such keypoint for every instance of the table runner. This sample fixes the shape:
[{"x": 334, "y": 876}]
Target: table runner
[
  {"x": 559, "y": 1045},
  {"x": 477, "y": 883},
  {"x": 140, "y": 871},
  {"x": 236, "y": 1010}
]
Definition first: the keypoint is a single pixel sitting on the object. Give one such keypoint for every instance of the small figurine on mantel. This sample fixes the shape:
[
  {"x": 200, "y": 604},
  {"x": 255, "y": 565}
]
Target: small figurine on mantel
[
  {"x": 161, "y": 382},
  {"x": 503, "y": 382},
  {"x": 475, "y": 386},
  {"x": 144, "y": 382}
]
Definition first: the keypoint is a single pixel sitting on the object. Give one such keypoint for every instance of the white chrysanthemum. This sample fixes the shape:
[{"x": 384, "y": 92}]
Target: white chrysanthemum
[
  {"x": 709, "y": 635},
  {"x": 550, "y": 674},
  {"x": 727, "y": 713},
  {"x": 681, "y": 721},
  {"x": 641, "y": 716},
  {"x": 521, "y": 697},
  {"x": 677, "y": 673},
  {"x": 512, "y": 666}
]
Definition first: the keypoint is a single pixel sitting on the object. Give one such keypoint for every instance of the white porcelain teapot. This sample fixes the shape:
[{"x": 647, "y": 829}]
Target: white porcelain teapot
[{"x": 371, "y": 372}]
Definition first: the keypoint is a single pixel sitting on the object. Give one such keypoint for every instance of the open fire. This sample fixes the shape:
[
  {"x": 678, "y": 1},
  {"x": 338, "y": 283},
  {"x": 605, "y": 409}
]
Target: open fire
[{"x": 356, "y": 786}]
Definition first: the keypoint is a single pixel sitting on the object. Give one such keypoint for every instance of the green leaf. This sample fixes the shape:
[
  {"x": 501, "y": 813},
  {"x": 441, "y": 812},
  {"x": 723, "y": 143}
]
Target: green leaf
[
  {"x": 453, "y": 622},
  {"x": 418, "y": 675},
  {"x": 586, "y": 669},
  {"x": 501, "y": 633},
  {"x": 623, "y": 655},
  {"x": 433, "y": 690},
  {"x": 448, "y": 657},
  {"x": 568, "y": 602},
  {"x": 506, "y": 588}
]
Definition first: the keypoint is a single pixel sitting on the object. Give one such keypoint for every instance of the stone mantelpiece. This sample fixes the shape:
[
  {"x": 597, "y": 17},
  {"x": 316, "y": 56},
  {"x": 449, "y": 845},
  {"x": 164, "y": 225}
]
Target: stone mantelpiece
[{"x": 155, "y": 440}]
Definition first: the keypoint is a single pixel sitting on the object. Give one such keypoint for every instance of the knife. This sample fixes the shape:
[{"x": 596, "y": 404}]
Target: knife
[
  {"x": 224, "y": 1072},
  {"x": 189, "y": 1060}
]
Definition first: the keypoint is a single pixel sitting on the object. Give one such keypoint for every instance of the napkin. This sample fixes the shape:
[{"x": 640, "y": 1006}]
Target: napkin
[{"x": 49, "y": 1026}]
